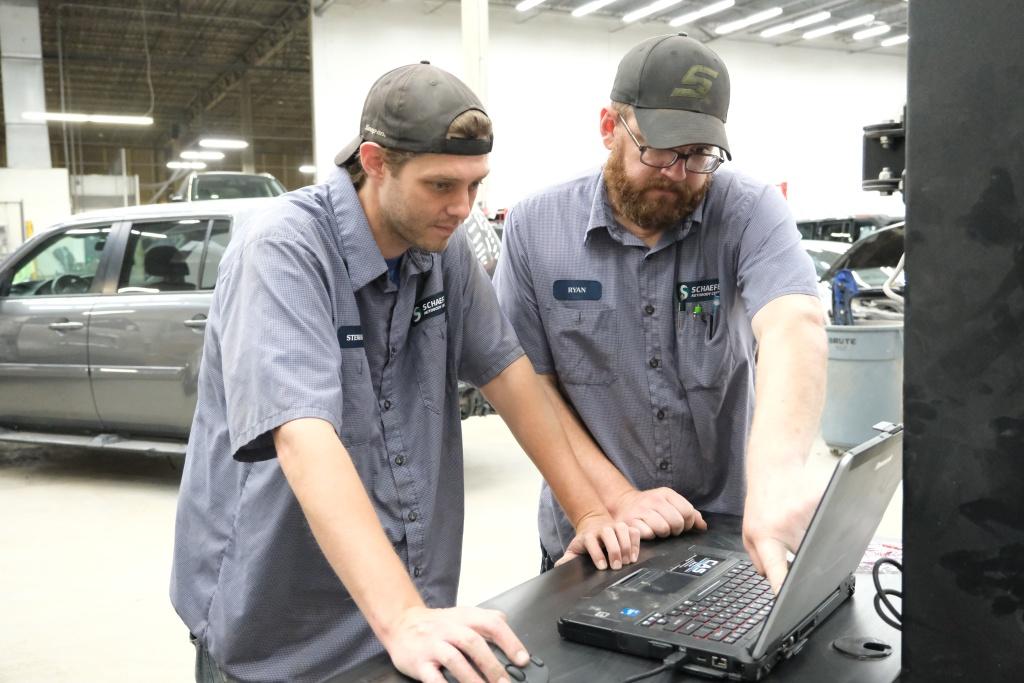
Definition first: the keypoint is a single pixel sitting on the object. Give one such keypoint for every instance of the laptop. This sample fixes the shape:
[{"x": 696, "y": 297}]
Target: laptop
[{"x": 710, "y": 603}]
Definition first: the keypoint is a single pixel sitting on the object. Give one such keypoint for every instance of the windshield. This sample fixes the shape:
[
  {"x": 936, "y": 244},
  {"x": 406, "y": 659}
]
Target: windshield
[{"x": 235, "y": 187}]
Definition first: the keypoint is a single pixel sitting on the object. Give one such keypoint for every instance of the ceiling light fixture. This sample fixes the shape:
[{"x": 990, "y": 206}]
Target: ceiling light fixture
[
  {"x": 872, "y": 32},
  {"x": 734, "y": 26},
  {"x": 895, "y": 40},
  {"x": 209, "y": 155},
  {"x": 194, "y": 165},
  {"x": 842, "y": 26},
  {"x": 650, "y": 9},
  {"x": 527, "y": 5},
  {"x": 87, "y": 118},
  {"x": 691, "y": 17},
  {"x": 793, "y": 25},
  {"x": 584, "y": 10},
  {"x": 307, "y": 168},
  {"x": 223, "y": 143}
]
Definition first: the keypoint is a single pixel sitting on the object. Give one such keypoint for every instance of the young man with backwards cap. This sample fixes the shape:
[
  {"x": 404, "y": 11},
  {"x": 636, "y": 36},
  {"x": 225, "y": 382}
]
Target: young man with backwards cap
[
  {"x": 646, "y": 293},
  {"x": 321, "y": 507}
]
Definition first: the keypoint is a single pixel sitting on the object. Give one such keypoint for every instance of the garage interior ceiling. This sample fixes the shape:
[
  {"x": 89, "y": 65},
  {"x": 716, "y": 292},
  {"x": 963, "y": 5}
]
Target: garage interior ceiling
[{"x": 196, "y": 54}]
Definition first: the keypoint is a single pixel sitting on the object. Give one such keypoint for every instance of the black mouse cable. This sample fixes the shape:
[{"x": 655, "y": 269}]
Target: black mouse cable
[
  {"x": 674, "y": 660},
  {"x": 882, "y": 595}
]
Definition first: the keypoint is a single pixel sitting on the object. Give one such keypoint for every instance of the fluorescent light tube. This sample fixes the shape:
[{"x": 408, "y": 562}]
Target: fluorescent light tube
[
  {"x": 223, "y": 143},
  {"x": 307, "y": 168},
  {"x": 793, "y": 25},
  {"x": 872, "y": 32},
  {"x": 734, "y": 26},
  {"x": 650, "y": 9},
  {"x": 895, "y": 40},
  {"x": 691, "y": 17},
  {"x": 593, "y": 6},
  {"x": 842, "y": 26},
  {"x": 527, "y": 5},
  {"x": 195, "y": 165},
  {"x": 206, "y": 155},
  {"x": 68, "y": 117}
]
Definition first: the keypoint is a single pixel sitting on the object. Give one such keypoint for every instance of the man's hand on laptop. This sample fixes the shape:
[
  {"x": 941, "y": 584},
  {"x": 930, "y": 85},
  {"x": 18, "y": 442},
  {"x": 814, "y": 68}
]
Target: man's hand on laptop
[
  {"x": 600, "y": 535},
  {"x": 777, "y": 513},
  {"x": 656, "y": 513}
]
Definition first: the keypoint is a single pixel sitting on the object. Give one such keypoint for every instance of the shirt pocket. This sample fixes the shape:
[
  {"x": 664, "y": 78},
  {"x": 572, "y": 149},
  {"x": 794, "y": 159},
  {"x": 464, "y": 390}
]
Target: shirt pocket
[
  {"x": 585, "y": 344},
  {"x": 358, "y": 418},
  {"x": 430, "y": 344},
  {"x": 703, "y": 353}
]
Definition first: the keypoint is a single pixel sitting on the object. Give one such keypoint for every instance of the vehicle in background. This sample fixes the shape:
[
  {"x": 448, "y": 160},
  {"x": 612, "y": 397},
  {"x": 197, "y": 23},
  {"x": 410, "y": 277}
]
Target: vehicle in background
[
  {"x": 871, "y": 261},
  {"x": 849, "y": 229},
  {"x": 227, "y": 185},
  {"x": 823, "y": 253},
  {"x": 102, "y": 321}
]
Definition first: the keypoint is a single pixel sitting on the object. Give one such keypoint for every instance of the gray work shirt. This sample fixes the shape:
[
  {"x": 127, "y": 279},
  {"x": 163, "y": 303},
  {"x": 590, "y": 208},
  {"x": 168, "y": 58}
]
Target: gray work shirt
[
  {"x": 666, "y": 393},
  {"x": 306, "y": 324}
]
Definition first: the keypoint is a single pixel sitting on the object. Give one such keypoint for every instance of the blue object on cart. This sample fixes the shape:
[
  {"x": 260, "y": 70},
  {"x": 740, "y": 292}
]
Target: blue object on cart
[{"x": 844, "y": 290}]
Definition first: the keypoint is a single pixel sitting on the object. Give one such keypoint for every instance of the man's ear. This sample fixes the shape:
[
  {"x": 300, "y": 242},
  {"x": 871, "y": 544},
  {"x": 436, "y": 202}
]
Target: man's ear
[
  {"x": 371, "y": 157},
  {"x": 609, "y": 117}
]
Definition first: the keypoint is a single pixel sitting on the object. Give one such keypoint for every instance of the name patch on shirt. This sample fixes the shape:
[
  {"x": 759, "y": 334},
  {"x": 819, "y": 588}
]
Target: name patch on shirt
[
  {"x": 350, "y": 336},
  {"x": 428, "y": 307},
  {"x": 577, "y": 290},
  {"x": 696, "y": 291}
]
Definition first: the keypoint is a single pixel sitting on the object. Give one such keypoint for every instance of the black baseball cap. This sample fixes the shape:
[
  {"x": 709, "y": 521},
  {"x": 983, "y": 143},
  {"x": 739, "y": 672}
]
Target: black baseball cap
[
  {"x": 679, "y": 90},
  {"x": 410, "y": 108}
]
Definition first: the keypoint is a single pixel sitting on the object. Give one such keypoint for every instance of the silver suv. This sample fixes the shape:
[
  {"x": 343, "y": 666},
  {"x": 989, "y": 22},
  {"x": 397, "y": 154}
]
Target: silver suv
[
  {"x": 227, "y": 185},
  {"x": 102, "y": 320}
]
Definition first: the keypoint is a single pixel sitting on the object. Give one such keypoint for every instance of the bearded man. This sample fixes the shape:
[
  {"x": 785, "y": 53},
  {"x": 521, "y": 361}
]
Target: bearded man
[{"x": 648, "y": 293}]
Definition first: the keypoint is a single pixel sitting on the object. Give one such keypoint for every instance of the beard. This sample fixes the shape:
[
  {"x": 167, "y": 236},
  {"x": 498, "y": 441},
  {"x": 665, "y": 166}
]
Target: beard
[
  {"x": 399, "y": 219},
  {"x": 628, "y": 196}
]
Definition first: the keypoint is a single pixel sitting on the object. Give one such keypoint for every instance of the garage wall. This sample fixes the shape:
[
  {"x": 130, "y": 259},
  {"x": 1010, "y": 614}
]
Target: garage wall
[{"x": 797, "y": 113}]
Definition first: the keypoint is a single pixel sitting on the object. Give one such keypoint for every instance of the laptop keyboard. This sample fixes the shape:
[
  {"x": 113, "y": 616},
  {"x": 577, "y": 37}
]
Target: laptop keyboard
[{"x": 726, "y": 614}]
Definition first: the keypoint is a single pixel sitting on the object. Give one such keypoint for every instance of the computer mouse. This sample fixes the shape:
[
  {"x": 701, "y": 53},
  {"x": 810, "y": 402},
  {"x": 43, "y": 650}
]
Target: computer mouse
[{"x": 534, "y": 672}]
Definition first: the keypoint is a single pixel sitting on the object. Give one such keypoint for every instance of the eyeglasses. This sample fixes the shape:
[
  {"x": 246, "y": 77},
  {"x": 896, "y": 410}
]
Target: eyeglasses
[{"x": 694, "y": 162}]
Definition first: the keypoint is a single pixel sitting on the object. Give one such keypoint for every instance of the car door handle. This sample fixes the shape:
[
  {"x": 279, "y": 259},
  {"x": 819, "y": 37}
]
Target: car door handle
[
  {"x": 65, "y": 325},
  {"x": 198, "y": 322}
]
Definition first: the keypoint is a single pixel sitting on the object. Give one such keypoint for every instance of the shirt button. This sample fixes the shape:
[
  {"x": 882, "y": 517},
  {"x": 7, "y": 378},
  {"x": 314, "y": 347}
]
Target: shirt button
[
  {"x": 400, "y": 460},
  {"x": 654, "y": 363},
  {"x": 387, "y": 404},
  {"x": 413, "y": 516},
  {"x": 663, "y": 465},
  {"x": 649, "y": 309},
  {"x": 661, "y": 414},
  {"x": 417, "y": 571}
]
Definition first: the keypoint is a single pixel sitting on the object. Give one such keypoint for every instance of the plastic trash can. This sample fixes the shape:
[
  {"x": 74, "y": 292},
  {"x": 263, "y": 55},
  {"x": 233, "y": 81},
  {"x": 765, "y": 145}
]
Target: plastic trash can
[{"x": 865, "y": 381}]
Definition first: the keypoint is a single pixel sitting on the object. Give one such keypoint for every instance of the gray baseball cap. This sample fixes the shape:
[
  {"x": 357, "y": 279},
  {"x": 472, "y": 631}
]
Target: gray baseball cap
[
  {"x": 679, "y": 90},
  {"x": 410, "y": 108}
]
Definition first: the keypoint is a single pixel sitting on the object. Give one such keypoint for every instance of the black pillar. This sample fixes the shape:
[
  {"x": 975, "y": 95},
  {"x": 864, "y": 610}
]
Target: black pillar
[{"x": 964, "y": 381}]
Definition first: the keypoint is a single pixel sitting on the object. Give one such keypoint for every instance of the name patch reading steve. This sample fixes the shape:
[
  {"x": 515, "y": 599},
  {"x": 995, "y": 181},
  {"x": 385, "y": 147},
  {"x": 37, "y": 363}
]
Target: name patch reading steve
[
  {"x": 350, "y": 336},
  {"x": 428, "y": 307},
  {"x": 577, "y": 290}
]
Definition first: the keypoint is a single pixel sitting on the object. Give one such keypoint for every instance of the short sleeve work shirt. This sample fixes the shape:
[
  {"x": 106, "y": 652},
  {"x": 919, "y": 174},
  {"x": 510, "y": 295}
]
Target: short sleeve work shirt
[
  {"x": 653, "y": 347},
  {"x": 306, "y": 323}
]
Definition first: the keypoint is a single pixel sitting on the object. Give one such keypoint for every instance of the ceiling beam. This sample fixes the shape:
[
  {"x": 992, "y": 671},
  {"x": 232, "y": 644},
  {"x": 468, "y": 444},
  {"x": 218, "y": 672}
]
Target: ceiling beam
[{"x": 259, "y": 51}]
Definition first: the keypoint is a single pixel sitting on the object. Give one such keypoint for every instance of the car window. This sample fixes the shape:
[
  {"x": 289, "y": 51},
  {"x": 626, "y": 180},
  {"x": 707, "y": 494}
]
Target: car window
[
  {"x": 219, "y": 235},
  {"x": 64, "y": 263},
  {"x": 234, "y": 187},
  {"x": 168, "y": 256}
]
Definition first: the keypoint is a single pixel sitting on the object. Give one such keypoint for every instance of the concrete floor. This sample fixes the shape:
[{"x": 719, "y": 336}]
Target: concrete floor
[{"x": 86, "y": 547}]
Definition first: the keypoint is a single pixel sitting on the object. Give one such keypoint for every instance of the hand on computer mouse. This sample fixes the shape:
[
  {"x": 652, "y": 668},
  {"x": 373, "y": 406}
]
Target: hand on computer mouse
[
  {"x": 534, "y": 671},
  {"x": 422, "y": 641}
]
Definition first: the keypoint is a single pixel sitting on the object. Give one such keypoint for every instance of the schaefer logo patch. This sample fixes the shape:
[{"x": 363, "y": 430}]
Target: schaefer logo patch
[
  {"x": 428, "y": 307},
  {"x": 698, "y": 290}
]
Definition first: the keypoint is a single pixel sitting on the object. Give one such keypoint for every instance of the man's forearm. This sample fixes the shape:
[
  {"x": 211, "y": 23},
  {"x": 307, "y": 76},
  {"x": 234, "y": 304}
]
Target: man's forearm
[
  {"x": 519, "y": 397},
  {"x": 791, "y": 370},
  {"x": 602, "y": 473},
  {"x": 325, "y": 482}
]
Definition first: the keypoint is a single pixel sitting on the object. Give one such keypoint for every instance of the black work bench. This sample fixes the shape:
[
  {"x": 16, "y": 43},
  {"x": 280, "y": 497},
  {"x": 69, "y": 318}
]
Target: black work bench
[{"x": 533, "y": 609}]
